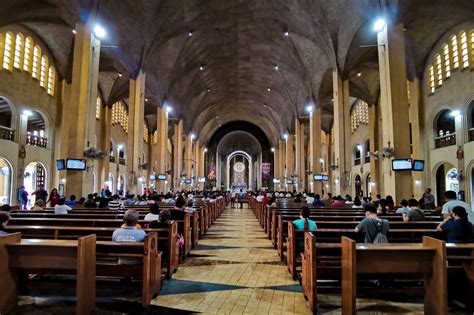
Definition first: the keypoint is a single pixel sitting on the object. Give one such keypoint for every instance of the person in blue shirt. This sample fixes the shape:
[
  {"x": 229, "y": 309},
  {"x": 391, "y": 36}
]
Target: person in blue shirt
[
  {"x": 457, "y": 227},
  {"x": 317, "y": 201},
  {"x": 304, "y": 223},
  {"x": 72, "y": 201}
]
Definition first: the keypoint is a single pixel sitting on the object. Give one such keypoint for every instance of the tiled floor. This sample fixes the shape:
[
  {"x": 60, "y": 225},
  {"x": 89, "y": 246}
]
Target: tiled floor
[{"x": 235, "y": 270}]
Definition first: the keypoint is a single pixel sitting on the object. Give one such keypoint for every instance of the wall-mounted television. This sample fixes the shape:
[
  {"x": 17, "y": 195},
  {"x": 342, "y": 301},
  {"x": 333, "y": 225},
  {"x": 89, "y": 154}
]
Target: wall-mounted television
[
  {"x": 276, "y": 180},
  {"x": 161, "y": 176},
  {"x": 60, "y": 164},
  {"x": 76, "y": 164},
  {"x": 318, "y": 177},
  {"x": 418, "y": 165},
  {"x": 202, "y": 179},
  {"x": 188, "y": 181},
  {"x": 152, "y": 177},
  {"x": 290, "y": 182},
  {"x": 325, "y": 178},
  {"x": 402, "y": 165}
]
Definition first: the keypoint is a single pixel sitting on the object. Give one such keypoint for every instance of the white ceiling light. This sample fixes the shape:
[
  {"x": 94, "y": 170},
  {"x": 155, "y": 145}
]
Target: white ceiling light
[
  {"x": 201, "y": 67},
  {"x": 273, "y": 149},
  {"x": 190, "y": 33},
  {"x": 168, "y": 109},
  {"x": 286, "y": 33},
  {"x": 269, "y": 89},
  {"x": 99, "y": 31},
  {"x": 74, "y": 31},
  {"x": 275, "y": 67},
  {"x": 309, "y": 108},
  {"x": 379, "y": 25},
  {"x": 359, "y": 74}
]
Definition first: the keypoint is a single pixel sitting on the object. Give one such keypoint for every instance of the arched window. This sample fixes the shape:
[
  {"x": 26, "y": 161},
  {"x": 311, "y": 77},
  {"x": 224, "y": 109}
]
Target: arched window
[
  {"x": 8, "y": 51},
  {"x": 432, "y": 80},
  {"x": 454, "y": 51},
  {"x": 28, "y": 54},
  {"x": 445, "y": 130},
  {"x": 51, "y": 80},
  {"x": 43, "y": 70},
  {"x": 439, "y": 71},
  {"x": 98, "y": 105},
  {"x": 19, "y": 46},
  {"x": 367, "y": 151},
  {"x": 36, "y": 62},
  {"x": 464, "y": 50},
  {"x": 146, "y": 134},
  {"x": 447, "y": 61},
  {"x": 357, "y": 154}
]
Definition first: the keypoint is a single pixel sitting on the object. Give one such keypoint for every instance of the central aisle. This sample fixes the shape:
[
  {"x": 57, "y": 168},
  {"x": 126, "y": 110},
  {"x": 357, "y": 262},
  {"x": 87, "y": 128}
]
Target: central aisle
[{"x": 234, "y": 270}]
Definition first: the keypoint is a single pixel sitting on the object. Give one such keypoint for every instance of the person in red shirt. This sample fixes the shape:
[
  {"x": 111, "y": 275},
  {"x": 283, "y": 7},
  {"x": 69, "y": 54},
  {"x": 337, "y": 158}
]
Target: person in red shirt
[{"x": 338, "y": 202}]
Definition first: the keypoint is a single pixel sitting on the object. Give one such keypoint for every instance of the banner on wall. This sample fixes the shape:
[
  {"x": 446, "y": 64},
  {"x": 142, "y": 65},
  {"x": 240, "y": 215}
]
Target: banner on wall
[
  {"x": 211, "y": 175},
  {"x": 266, "y": 171}
]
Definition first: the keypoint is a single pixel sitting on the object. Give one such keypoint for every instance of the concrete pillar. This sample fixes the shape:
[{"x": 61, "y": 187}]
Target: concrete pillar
[
  {"x": 290, "y": 160},
  {"x": 276, "y": 167},
  {"x": 394, "y": 109},
  {"x": 416, "y": 121},
  {"x": 177, "y": 154},
  {"x": 104, "y": 165},
  {"x": 342, "y": 134},
  {"x": 160, "y": 148},
  {"x": 188, "y": 158},
  {"x": 197, "y": 158},
  {"x": 136, "y": 116},
  {"x": 374, "y": 146},
  {"x": 315, "y": 148},
  {"x": 282, "y": 149},
  {"x": 299, "y": 155},
  {"x": 81, "y": 105}
]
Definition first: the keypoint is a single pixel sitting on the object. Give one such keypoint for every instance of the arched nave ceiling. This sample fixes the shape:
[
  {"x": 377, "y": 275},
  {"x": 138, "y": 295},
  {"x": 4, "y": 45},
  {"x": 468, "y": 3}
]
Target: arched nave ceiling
[{"x": 238, "y": 43}]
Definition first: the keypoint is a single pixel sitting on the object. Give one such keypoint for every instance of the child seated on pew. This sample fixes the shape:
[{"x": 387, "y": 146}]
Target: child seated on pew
[{"x": 4, "y": 218}]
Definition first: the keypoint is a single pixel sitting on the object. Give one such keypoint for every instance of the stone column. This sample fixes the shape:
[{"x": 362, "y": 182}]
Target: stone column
[
  {"x": 105, "y": 126},
  {"x": 160, "y": 149},
  {"x": 197, "y": 159},
  {"x": 418, "y": 152},
  {"x": 290, "y": 161},
  {"x": 342, "y": 134},
  {"x": 374, "y": 146},
  {"x": 299, "y": 153},
  {"x": 394, "y": 109},
  {"x": 188, "y": 157},
  {"x": 315, "y": 148},
  {"x": 136, "y": 116},
  {"x": 276, "y": 167},
  {"x": 177, "y": 154},
  {"x": 81, "y": 105}
]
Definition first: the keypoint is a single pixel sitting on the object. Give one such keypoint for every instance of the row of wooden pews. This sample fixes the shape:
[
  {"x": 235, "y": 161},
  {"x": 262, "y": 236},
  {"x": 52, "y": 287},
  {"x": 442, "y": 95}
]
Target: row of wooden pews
[
  {"x": 80, "y": 243},
  {"x": 334, "y": 256}
]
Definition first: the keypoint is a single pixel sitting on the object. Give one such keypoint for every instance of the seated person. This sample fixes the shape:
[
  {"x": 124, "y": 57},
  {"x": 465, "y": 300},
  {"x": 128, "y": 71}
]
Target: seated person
[
  {"x": 72, "y": 201},
  {"x": 414, "y": 213},
  {"x": 304, "y": 223},
  {"x": 317, "y": 200},
  {"x": 164, "y": 218},
  {"x": 357, "y": 203},
  {"x": 298, "y": 198},
  {"x": 372, "y": 225},
  {"x": 457, "y": 227},
  {"x": 382, "y": 206},
  {"x": 310, "y": 199},
  {"x": 129, "y": 232},
  {"x": 189, "y": 208},
  {"x": 61, "y": 207},
  {"x": 129, "y": 200},
  {"x": 4, "y": 217},
  {"x": 90, "y": 203},
  {"x": 81, "y": 202},
  {"x": 153, "y": 215},
  {"x": 451, "y": 202},
  {"x": 338, "y": 202},
  {"x": 6, "y": 208},
  {"x": 180, "y": 203},
  {"x": 404, "y": 209},
  {"x": 115, "y": 203},
  {"x": 39, "y": 204}
]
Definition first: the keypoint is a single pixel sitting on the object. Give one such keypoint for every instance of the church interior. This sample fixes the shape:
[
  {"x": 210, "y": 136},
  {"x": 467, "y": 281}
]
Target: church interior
[{"x": 237, "y": 157}]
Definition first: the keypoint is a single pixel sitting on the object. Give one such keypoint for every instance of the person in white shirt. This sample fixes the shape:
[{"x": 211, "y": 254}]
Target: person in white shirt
[
  {"x": 259, "y": 197},
  {"x": 61, "y": 208},
  {"x": 451, "y": 202},
  {"x": 404, "y": 209},
  {"x": 310, "y": 199},
  {"x": 153, "y": 215}
]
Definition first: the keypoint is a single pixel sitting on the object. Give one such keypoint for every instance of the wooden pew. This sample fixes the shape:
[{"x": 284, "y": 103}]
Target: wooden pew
[
  {"x": 184, "y": 228},
  {"x": 55, "y": 256},
  {"x": 427, "y": 261},
  {"x": 149, "y": 270},
  {"x": 460, "y": 263},
  {"x": 167, "y": 238}
]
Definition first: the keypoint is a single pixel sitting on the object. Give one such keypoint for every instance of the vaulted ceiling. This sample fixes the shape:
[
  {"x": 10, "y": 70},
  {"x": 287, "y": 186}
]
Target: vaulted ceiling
[{"x": 251, "y": 70}]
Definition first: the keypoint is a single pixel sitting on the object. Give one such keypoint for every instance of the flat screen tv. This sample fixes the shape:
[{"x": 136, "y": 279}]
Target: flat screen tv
[
  {"x": 418, "y": 165},
  {"x": 76, "y": 164},
  {"x": 318, "y": 177},
  {"x": 152, "y": 177},
  {"x": 290, "y": 182},
  {"x": 202, "y": 179},
  {"x": 188, "y": 181},
  {"x": 325, "y": 178},
  {"x": 276, "y": 180},
  {"x": 402, "y": 165},
  {"x": 60, "y": 165},
  {"x": 161, "y": 176}
]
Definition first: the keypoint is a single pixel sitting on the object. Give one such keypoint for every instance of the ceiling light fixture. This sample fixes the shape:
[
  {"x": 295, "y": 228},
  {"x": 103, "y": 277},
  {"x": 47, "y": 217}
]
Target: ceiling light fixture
[
  {"x": 273, "y": 149},
  {"x": 168, "y": 109},
  {"x": 74, "y": 31},
  {"x": 275, "y": 67},
  {"x": 269, "y": 89},
  {"x": 309, "y": 108},
  {"x": 146, "y": 100},
  {"x": 359, "y": 74},
  {"x": 190, "y": 33},
  {"x": 379, "y": 24},
  {"x": 99, "y": 31},
  {"x": 120, "y": 75},
  {"x": 201, "y": 67},
  {"x": 209, "y": 90},
  {"x": 286, "y": 33}
]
